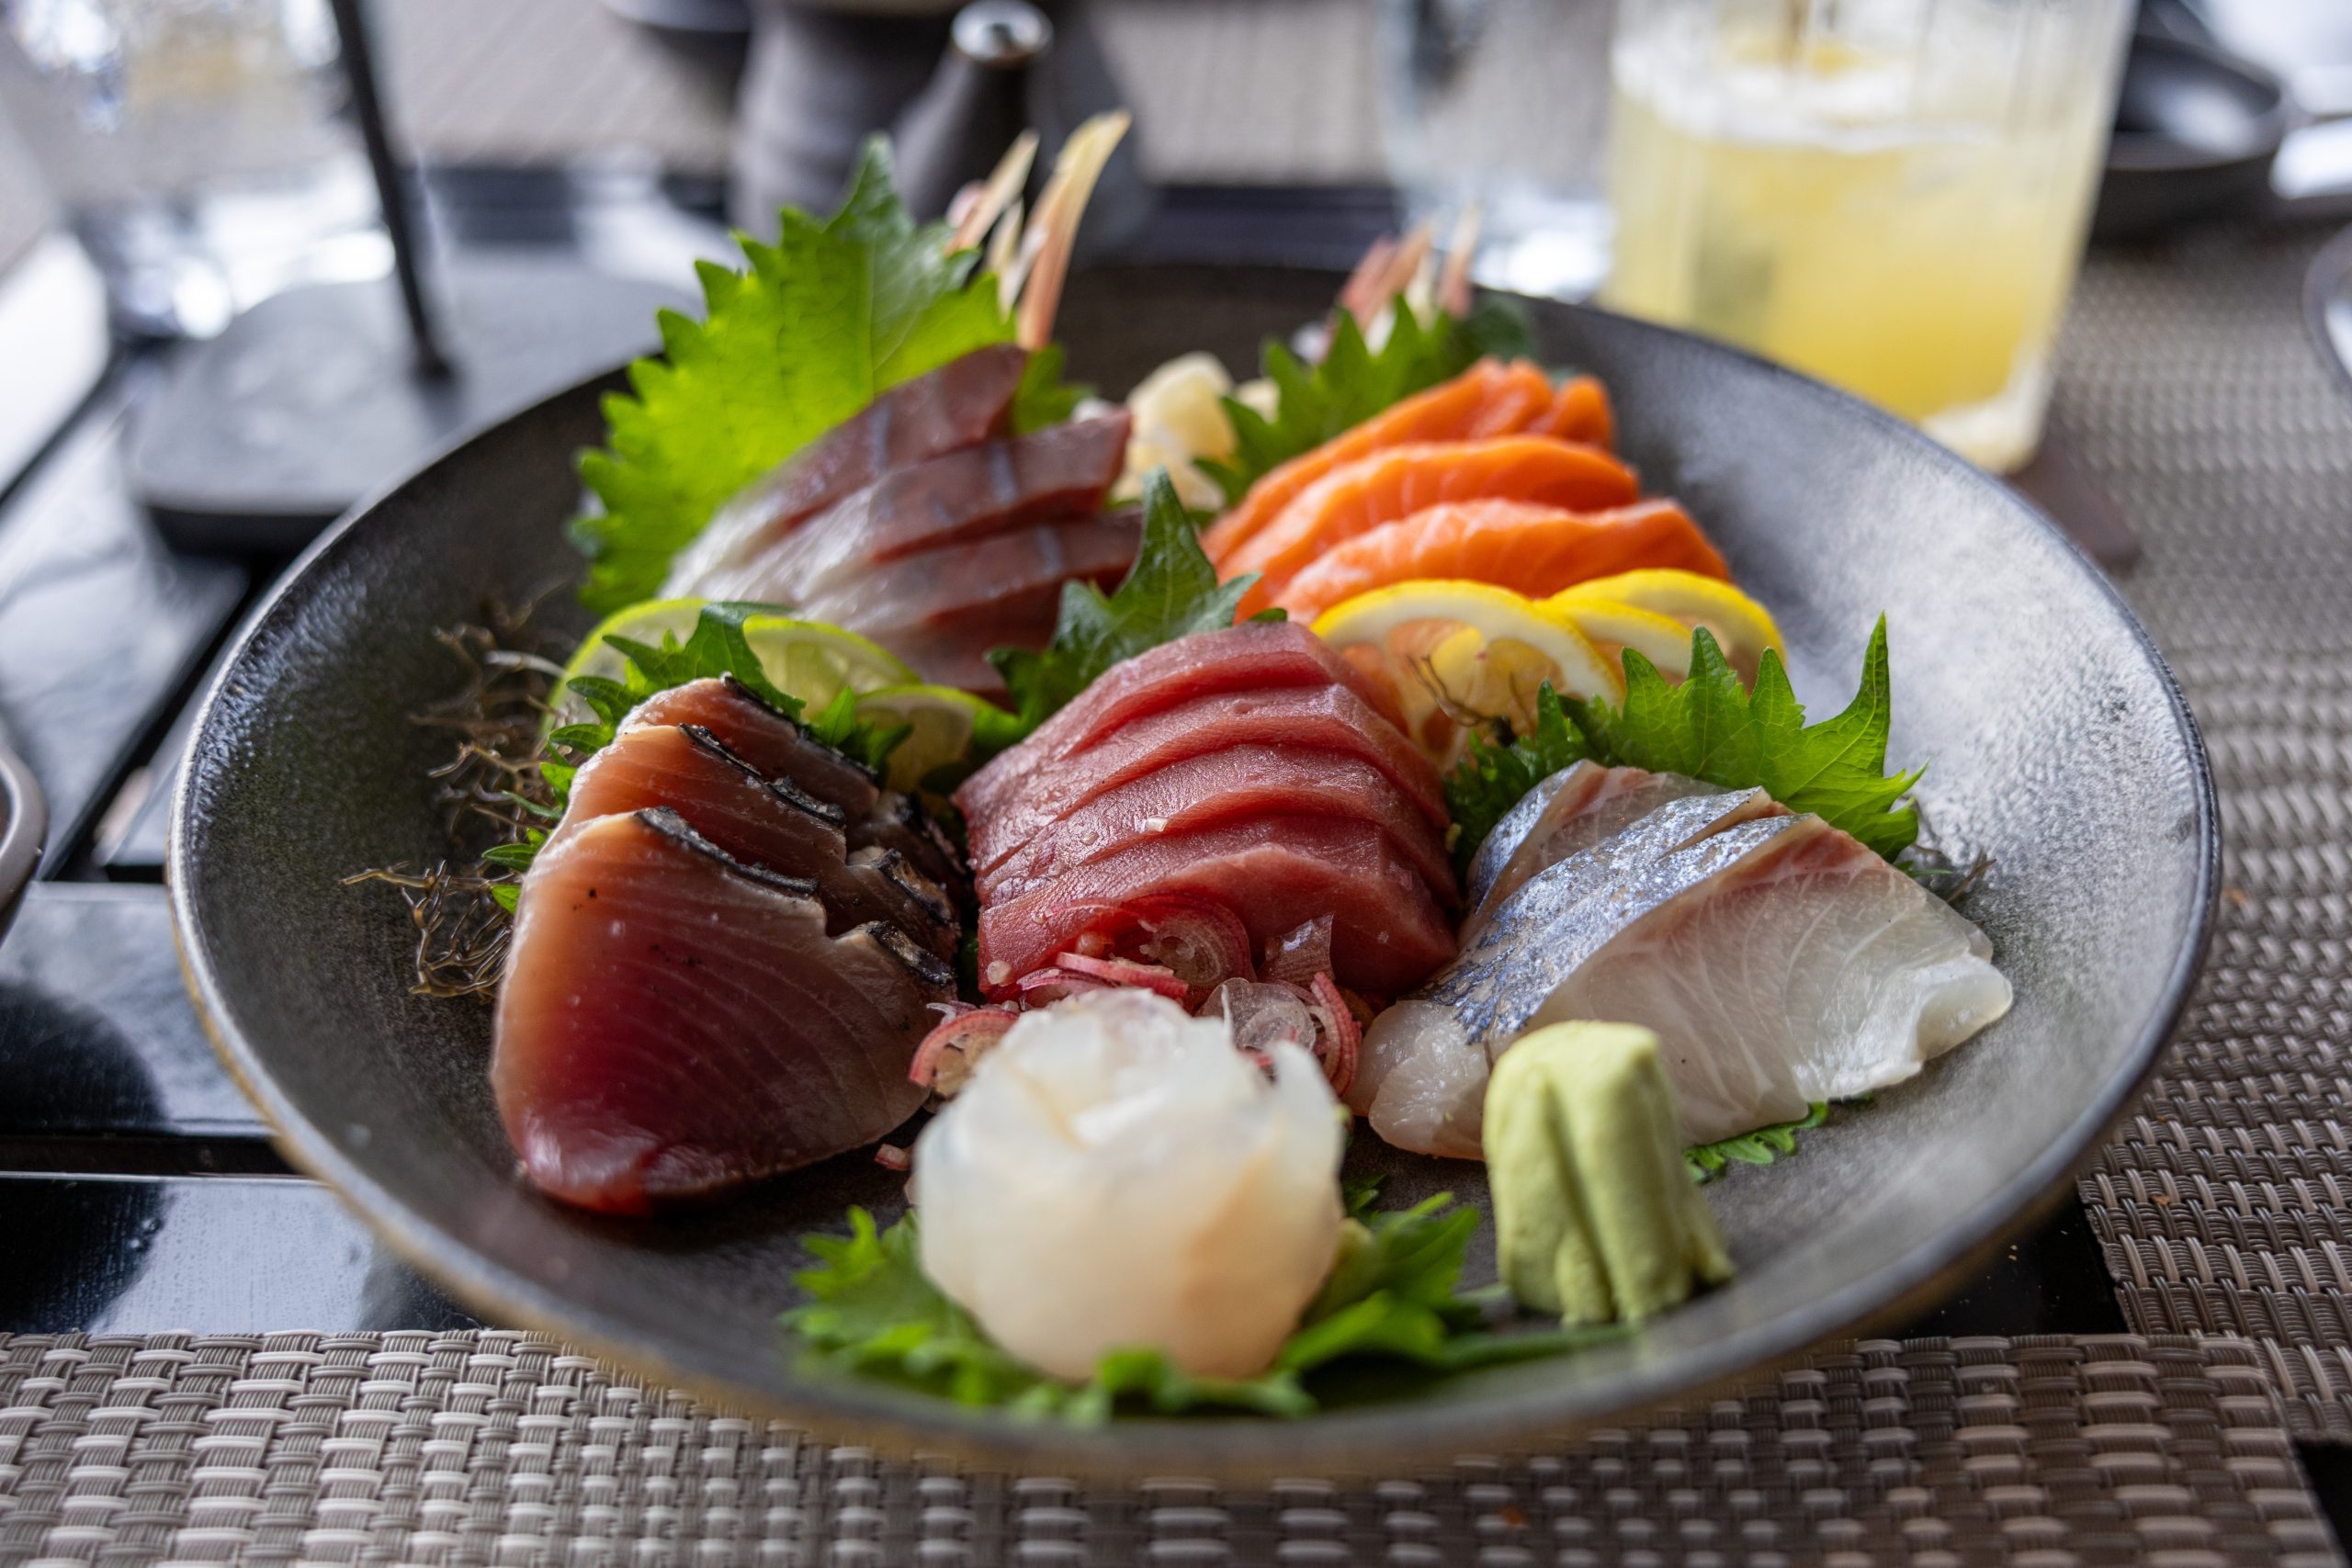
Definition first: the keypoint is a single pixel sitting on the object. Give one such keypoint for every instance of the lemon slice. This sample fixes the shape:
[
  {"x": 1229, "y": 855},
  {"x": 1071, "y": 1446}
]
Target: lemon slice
[
  {"x": 1613, "y": 627},
  {"x": 944, "y": 725},
  {"x": 804, "y": 658},
  {"x": 1742, "y": 627},
  {"x": 1459, "y": 655}
]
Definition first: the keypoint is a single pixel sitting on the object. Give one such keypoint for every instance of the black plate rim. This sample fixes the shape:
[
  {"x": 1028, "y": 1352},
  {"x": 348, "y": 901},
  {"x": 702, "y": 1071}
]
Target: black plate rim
[{"x": 1350, "y": 1439}]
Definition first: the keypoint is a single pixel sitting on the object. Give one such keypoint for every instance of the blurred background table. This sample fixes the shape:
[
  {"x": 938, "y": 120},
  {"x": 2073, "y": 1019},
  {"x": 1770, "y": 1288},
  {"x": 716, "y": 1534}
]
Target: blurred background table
[{"x": 2160, "y": 1372}]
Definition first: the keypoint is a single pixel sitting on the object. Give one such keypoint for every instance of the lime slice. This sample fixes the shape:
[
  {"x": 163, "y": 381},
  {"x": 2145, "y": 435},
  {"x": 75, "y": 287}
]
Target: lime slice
[
  {"x": 814, "y": 661},
  {"x": 943, "y": 724},
  {"x": 649, "y": 623}
]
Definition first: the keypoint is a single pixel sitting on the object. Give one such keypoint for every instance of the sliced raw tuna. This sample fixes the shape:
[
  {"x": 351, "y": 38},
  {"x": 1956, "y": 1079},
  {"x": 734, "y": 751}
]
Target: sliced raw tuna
[
  {"x": 1064, "y": 470},
  {"x": 760, "y": 823},
  {"x": 776, "y": 746},
  {"x": 1275, "y": 874},
  {"x": 674, "y": 1023},
  {"x": 1329, "y": 719},
  {"x": 1261, "y": 656},
  {"x": 959, "y": 404},
  {"x": 1235, "y": 784}
]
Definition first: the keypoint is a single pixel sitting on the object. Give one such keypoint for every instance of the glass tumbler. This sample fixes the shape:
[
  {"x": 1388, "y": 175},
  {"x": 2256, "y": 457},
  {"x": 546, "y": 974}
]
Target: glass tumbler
[
  {"x": 197, "y": 148},
  {"x": 1498, "y": 108},
  {"x": 1891, "y": 195}
]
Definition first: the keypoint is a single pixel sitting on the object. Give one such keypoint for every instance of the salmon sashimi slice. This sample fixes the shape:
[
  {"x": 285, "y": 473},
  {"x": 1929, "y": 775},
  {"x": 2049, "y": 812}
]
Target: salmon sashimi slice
[
  {"x": 1565, "y": 815},
  {"x": 1238, "y": 784},
  {"x": 1329, "y": 719},
  {"x": 776, "y": 746},
  {"x": 960, "y": 404},
  {"x": 1579, "y": 411},
  {"x": 1523, "y": 397},
  {"x": 1259, "y": 656},
  {"x": 818, "y": 777},
  {"x": 1062, "y": 471},
  {"x": 1275, "y": 874},
  {"x": 759, "y": 823},
  {"x": 674, "y": 1023},
  {"x": 1400, "y": 481},
  {"x": 1534, "y": 551},
  {"x": 1447, "y": 412}
]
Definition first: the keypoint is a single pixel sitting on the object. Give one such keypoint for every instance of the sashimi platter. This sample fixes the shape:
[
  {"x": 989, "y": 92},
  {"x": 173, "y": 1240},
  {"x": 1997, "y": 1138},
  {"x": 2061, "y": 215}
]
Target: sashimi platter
[{"x": 1244, "y": 900}]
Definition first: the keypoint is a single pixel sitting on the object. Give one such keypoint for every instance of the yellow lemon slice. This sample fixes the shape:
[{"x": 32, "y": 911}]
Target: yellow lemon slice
[
  {"x": 1742, "y": 627},
  {"x": 1613, "y": 627},
  {"x": 1460, "y": 656}
]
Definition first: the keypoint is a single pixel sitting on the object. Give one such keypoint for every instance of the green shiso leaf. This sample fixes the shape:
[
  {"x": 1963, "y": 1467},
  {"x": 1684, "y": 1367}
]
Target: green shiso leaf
[
  {"x": 1709, "y": 727},
  {"x": 837, "y": 311},
  {"x": 1171, "y": 591},
  {"x": 1761, "y": 1147},
  {"x": 1391, "y": 1297},
  {"x": 1353, "y": 381}
]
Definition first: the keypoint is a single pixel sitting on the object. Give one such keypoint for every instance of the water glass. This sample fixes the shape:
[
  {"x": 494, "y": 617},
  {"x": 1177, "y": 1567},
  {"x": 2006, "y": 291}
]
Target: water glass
[
  {"x": 1499, "y": 106},
  {"x": 197, "y": 147},
  {"x": 1891, "y": 195}
]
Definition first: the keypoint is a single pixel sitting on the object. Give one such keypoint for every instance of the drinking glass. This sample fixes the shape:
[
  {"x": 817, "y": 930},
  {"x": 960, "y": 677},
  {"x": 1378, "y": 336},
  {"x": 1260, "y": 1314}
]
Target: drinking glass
[
  {"x": 196, "y": 147},
  {"x": 1501, "y": 106},
  {"x": 1891, "y": 195}
]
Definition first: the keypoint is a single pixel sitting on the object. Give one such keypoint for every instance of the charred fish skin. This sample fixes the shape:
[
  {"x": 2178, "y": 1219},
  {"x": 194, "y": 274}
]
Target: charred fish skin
[
  {"x": 674, "y": 1023},
  {"x": 1567, "y": 913}
]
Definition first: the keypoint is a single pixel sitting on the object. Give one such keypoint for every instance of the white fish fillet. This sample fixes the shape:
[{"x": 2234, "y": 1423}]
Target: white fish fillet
[{"x": 1779, "y": 960}]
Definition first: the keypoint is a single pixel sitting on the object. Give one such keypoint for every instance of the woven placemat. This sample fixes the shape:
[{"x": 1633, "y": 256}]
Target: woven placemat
[
  {"x": 500, "y": 1447},
  {"x": 2191, "y": 390}
]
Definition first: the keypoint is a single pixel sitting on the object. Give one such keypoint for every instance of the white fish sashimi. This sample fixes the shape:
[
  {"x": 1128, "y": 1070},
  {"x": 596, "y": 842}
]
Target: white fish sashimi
[
  {"x": 1565, "y": 815},
  {"x": 1810, "y": 970},
  {"x": 1779, "y": 960}
]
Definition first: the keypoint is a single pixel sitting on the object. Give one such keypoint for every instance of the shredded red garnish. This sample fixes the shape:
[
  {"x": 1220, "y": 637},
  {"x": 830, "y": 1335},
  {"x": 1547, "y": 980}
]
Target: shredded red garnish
[
  {"x": 945, "y": 1057},
  {"x": 1126, "y": 972},
  {"x": 890, "y": 1156}
]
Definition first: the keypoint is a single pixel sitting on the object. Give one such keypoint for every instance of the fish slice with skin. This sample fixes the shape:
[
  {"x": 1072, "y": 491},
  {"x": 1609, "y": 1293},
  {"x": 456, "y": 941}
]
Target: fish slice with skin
[
  {"x": 1275, "y": 872},
  {"x": 964, "y": 401},
  {"x": 1529, "y": 549},
  {"x": 786, "y": 755},
  {"x": 942, "y": 610},
  {"x": 1064, "y": 470},
  {"x": 1235, "y": 784},
  {"x": 760, "y": 823},
  {"x": 673, "y": 1023},
  {"x": 1396, "y": 482},
  {"x": 1253, "y": 657},
  {"x": 1331, "y": 719},
  {"x": 1565, "y": 815},
  {"x": 1779, "y": 960}
]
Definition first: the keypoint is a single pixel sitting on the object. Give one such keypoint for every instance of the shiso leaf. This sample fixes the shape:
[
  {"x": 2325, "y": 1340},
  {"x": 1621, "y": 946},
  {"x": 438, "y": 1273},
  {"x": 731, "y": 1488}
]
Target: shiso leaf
[
  {"x": 1761, "y": 1147},
  {"x": 1354, "y": 381},
  {"x": 1391, "y": 1297},
  {"x": 1171, "y": 591},
  {"x": 864, "y": 300},
  {"x": 1711, "y": 728}
]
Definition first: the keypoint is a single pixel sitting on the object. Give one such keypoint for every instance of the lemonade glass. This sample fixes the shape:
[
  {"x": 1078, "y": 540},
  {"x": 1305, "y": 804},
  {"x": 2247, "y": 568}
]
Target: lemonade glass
[{"x": 1891, "y": 195}]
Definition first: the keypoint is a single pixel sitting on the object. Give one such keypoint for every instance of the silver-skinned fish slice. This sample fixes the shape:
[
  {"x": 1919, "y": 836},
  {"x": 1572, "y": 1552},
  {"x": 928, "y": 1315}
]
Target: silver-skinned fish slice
[{"x": 1565, "y": 815}]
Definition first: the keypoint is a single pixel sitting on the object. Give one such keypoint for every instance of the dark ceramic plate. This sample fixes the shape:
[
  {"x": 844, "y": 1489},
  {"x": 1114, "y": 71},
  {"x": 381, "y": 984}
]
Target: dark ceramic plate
[{"x": 2059, "y": 744}]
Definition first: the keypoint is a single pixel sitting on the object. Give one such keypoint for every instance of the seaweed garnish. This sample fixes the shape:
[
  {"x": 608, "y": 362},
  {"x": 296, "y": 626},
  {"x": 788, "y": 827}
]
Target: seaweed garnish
[{"x": 492, "y": 796}]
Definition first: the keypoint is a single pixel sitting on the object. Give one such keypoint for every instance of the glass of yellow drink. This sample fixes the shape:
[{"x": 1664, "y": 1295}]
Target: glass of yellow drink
[{"x": 1891, "y": 196}]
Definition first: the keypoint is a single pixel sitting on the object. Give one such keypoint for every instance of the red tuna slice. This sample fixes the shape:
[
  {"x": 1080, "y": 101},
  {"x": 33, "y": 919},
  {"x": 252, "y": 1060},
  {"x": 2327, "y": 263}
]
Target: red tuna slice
[
  {"x": 1260, "y": 656},
  {"x": 960, "y": 404},
  {"x": 1329, "y": 719},
  {"x": 776, "y": 747},
  {"x": 1275, "y": 874},
  {"x": 674, "y": 1023},
  {"x": 761, "y": 824},
  {"x": 942, "y": 610},
  {"x": 1222, "y": 787},
  {"x": 1061, "y": 471}
]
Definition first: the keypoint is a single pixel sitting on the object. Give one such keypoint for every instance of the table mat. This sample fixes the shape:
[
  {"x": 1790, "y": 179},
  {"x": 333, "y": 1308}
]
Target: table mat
[
  {"x": 500, "y": 1447},
  {"x": 2191, "y": 390}
]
